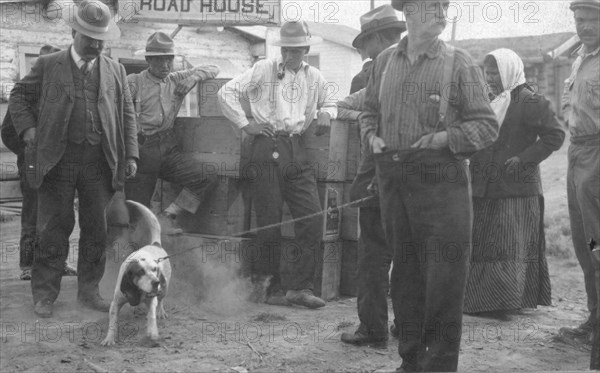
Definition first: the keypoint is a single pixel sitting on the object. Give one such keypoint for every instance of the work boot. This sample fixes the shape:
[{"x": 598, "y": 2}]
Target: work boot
[
  {"x": 25, "y": 275},
  {"x": 168, "y": 223},
  {"x": 69, "y": 271},
  {"x": 43, "y": 308},
  {"x": 359, "y": 339},
  {"x": 582, "y": 334},
  {"x": 94, "y": 302},
  {"x": 278, "y": 299},
  {"x": 304, "y": 298}
]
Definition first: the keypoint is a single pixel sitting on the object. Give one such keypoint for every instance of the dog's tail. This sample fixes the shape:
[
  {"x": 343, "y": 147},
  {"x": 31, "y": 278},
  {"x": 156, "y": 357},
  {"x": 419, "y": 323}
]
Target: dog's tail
[{"x": 144, "y": 224}]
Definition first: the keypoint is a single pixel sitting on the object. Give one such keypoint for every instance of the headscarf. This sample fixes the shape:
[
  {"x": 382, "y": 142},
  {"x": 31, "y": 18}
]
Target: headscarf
[{"x": 512, "y": 75}]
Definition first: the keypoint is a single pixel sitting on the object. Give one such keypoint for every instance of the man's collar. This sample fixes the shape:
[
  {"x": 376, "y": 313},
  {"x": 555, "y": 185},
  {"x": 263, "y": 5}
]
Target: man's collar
[
  {"x": 434, "y": 50},
  {"x": 77, "y": 58},
  {"x": 153, "y": 78},
  {"x": 303, "y": 65},
  {"x": 582, "y": 51}
]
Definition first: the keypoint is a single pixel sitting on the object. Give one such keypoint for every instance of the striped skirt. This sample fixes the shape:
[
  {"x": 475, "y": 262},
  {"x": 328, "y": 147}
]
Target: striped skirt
[{"x": 508, "y": 268}]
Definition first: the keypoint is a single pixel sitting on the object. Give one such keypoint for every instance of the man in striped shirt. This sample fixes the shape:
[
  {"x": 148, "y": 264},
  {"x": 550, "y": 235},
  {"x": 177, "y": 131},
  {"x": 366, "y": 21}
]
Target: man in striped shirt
[{"x": 424, "y": 187}]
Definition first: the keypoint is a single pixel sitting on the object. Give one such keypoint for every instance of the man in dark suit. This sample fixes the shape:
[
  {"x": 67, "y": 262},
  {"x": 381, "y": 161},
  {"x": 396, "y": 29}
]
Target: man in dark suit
[
  {"x": 84, "y": 140},
  {"x": 28, "y": 239}
]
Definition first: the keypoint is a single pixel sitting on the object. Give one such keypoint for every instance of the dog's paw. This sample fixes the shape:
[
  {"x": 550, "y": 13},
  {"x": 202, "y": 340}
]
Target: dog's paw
[
  {"x": 161, "y": 313},
  {"x": 108, "y": 341}
]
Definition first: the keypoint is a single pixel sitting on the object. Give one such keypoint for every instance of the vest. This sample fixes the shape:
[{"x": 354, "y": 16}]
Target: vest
[{"x": 84, "y": 123}]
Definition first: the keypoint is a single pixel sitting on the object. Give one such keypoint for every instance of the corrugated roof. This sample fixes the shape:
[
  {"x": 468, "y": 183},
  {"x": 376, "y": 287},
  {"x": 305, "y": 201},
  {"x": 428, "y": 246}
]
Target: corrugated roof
[{"x": 527, "y": 47}]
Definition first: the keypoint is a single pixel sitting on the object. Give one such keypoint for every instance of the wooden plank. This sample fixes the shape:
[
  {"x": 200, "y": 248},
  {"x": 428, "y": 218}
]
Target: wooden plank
[
  {"x": 338, "y": 150},
  {"x": 8, "y": 166},
  {"x": 10, "y": 190},
  {"x": 208, "y": 98},
  {"x": 328, "y": 270},
  {"x": 349, "y": 229}
]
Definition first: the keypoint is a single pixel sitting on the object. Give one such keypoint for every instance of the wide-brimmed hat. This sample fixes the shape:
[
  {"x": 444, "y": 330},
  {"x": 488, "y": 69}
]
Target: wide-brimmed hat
[
  {"x": 590, "y": 4},
  {"x": 296, "y": 34},
  {"x": 380, "y": 18},
  {"x": 158, "y": 44},
  {"x": 93, "y": 19},
  {"x": 47, "y": 49}
]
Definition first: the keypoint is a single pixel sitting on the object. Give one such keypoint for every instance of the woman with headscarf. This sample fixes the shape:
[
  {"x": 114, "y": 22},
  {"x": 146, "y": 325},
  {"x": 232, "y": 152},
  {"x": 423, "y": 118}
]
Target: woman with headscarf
[{"x": 508, "y": 264}]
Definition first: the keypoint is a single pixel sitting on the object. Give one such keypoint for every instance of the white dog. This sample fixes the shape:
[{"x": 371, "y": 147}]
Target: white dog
[{"x": 143, "y": 276}]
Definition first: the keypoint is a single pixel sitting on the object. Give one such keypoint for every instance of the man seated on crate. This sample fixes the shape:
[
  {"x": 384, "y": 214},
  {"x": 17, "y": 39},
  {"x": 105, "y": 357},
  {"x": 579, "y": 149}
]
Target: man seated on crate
[
  {"x": 287, "y": 93},
  {"x": 158, "y": 94}
]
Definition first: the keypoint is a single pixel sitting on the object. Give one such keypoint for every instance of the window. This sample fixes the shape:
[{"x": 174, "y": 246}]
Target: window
[
  {"x": 28, "y": 54},
  {"x": 312, "y": 59}
]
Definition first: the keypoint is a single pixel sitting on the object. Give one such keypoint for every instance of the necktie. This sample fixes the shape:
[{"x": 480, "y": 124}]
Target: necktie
[{"x": 85, "y": 67}]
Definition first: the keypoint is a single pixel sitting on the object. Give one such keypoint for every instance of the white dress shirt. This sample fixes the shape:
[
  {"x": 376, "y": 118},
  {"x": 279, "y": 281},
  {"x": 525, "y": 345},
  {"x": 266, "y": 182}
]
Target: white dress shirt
[{"x": 289, "y": 104}]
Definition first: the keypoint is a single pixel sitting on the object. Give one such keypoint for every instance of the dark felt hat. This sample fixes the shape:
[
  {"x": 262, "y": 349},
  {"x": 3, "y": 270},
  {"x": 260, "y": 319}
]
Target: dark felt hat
[{"x": 380, "y": 18}]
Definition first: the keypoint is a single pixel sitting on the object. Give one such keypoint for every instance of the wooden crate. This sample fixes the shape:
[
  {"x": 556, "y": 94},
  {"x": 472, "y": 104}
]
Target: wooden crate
[
  {"x": 209, "y": 97},
  {"x": 329, "y": 269}
]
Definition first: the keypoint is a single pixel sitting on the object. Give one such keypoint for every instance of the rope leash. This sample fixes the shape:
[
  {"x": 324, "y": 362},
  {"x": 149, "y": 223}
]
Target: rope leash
[{"x": 275, "y": 225}]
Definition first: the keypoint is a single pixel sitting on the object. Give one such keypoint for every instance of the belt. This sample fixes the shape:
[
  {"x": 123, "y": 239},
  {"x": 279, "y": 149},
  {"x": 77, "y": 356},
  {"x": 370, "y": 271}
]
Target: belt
[
  {"x": 586, "y": 140},
  {"x": 155, "y": 136},
  {"x": 281, "y": 133}
]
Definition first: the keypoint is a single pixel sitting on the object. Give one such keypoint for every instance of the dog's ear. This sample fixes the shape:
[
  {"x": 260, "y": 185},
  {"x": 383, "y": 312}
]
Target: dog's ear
[{"x": 128, "y": 287}]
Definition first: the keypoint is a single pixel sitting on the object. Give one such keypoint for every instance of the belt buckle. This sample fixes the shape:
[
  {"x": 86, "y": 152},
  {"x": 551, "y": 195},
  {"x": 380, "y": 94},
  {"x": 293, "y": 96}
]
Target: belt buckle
[{"x": 396, "y": 157}]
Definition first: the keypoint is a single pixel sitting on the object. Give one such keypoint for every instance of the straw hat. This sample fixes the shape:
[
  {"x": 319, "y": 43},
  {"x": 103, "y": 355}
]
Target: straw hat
[
  {"x": 93, "y": 19},
  {"x": 296, "y": 34}
]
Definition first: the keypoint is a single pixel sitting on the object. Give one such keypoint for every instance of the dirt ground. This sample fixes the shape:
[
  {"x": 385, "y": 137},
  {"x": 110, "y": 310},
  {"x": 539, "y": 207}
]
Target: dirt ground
[{"x": 222, "y": 332}]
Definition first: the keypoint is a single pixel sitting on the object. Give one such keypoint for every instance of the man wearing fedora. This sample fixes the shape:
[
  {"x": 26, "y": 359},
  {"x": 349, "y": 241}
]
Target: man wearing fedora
[
  {"x": 287, "y": 94},
  {"x": 581, "y": 107},
  {"x": 380, "y": 29},
  {"x": 84, "y": 141},
  {"x": 158, "y": 94},
  {"x": 425, "y": 111},
  {"x": 28, "y": 239}
]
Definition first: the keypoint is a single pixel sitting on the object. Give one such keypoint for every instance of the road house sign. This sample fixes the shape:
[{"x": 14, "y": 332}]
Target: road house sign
[{"x": 217, "y": 12}]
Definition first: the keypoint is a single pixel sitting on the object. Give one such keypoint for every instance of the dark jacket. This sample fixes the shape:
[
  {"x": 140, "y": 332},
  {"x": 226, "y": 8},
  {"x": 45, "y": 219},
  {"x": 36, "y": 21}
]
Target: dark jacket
[
  {"x": 530, "y": 131},
  {"x": 49, "y": 88},
  {"x": 360, "y": 80}
]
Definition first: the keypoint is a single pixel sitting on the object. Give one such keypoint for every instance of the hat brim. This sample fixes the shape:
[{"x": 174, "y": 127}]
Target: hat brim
[
  {"x": 585, "y": 6},
  {"x": 312, "y": 41},
  {"x": 400, "y": 25},
  {"x": 112, "y": 33},
  {"x": 142, "y": 52}
]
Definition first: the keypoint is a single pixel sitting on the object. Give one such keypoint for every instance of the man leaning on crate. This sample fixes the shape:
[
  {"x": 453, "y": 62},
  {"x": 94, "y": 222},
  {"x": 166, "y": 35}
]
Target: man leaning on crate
[{"x": 157, "y": 95}]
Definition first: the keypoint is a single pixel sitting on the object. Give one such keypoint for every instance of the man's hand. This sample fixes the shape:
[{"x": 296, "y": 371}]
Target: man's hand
[
  {"x": 29, "y": 137},
  {"x": 131, "y": 169},
  {"x": 437, "y": 140},
  {"x": 254, "y": 128},
  {"x": 186, "y": 85},
  {"x": 377, "y": 145},
  {"x": 323, "y": 124},
  {"x": 512, "y": 164}
]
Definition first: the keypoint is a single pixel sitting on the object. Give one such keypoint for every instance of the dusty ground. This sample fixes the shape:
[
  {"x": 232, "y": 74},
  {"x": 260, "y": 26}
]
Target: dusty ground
[{"x": 213, "y": 334}]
